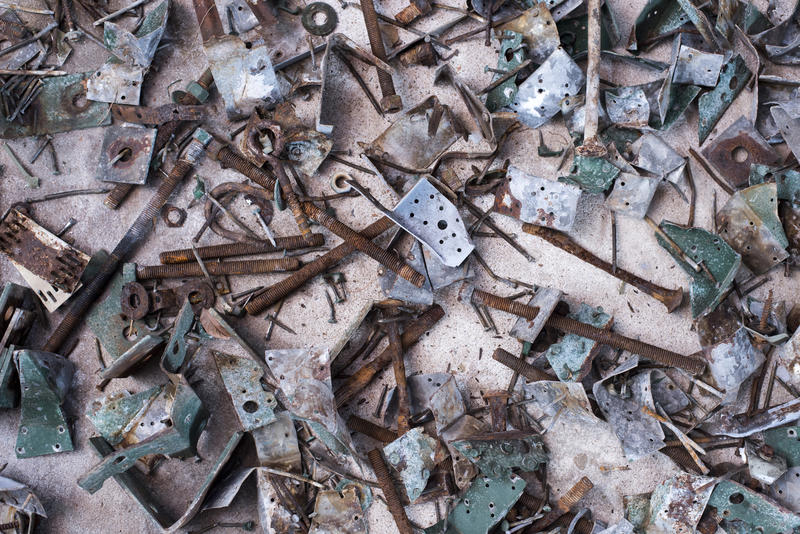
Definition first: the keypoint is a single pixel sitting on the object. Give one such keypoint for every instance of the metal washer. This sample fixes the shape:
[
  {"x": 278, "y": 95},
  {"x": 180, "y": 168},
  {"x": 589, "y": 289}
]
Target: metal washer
[{"x": 327, "y": 27}]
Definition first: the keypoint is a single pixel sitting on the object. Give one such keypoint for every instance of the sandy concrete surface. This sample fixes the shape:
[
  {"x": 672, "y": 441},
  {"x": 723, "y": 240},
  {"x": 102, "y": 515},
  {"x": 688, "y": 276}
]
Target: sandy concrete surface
[{"x": 457, "y": 341}]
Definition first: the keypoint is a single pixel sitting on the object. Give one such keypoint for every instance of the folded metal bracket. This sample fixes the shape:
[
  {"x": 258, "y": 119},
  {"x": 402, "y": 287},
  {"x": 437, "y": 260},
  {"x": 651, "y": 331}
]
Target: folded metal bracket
[
  {"x": 713, "y": 104},
  {"x": 736, "y": 149},
  {"x": 253, "y": 403}
]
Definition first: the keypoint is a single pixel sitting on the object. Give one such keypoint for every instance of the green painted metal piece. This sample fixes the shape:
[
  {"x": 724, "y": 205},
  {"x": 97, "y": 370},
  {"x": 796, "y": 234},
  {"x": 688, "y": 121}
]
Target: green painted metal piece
[
  {"x": 637, "y": 510},
  {"x": 482, "y": 506},
  {"x": 44, "y": 380},
  {"x": 107, "y": 323},
  {"x": 621, "y": 137},
  {"x": 762, "y": 199},
  {"x": 703, "y": 25},
  {"x": 736, "y": 502},
  {"x": 412, "y": 457},
  {"x": 9, "y": 385},
  {"x": 680, "y": 98},
  {"x": 785, "y": 441},
  {"x": 753, "y": 21},
  {"x": 497, "y": 454},
  {"x": 505, "y": 93},
  {"x": 712, "y": 105},
  {"x": 571, "y": 358},
  {"x": 60, "y": 107},
  {"x": 188, "y": 417},
  {"x": 113, "y": 416},
  {"x": 253, "y": 402},
  {"x": 657, "y": 20},
  {"x": 176, "y": 352},
  {"x": 593, "y": 175},
  {"x": 575, "y": 39},
  {"x": 787, "y": 181},
  {"x": 718, "y": 257}
]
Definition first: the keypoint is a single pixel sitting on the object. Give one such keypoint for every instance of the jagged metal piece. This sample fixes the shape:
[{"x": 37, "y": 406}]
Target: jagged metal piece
[
  {"x": 628, "y": 107},
  {"x": 593, "y": 175},
  {"x": 253, "y": 403},
  {"x": 632, "y": 194},
  {"x": 677, "y": 504},
  {"x": 732, "y": 361},
  {"x": 546, "y": 299},
  {"x": 540, "y": 96},
  {"x": 736, "y": 502},
  {"x": 537, "y": 200},
  {"x": 696, "y": 67},
  {"x": 412, "y": 456},
  {"x": 734, "y": 76},
  {"x": 498, "y": 453},
  {"x": 571, "y": 358}
]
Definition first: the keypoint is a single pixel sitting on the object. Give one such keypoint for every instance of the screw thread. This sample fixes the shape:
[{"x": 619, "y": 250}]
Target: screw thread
[
  {"x": 530, "y": 502},
  {"x": 292, "y": 200},
  {"x": 389, "y": 492},
  {"x": 229, "y": 158},
  {"x": 682, "y": 458},
  {"x": 504, "y": 304},
  {"x": 762, "y": 324},
  {"x": 583, "y": 526},
  {"x": 519, "y": 365},
  {"x": 115, "y": 197},
  {"x": 368, "y": 428},
  {"x": 308, "y": 271},
  {"x": 178, "y": 270},
  {"x": 226, "y": 250},
  {"x": 617, "y": 341},
  {"x": 575, "y": 494},
  {"x": 9, "y": 526},
  {"x": 377, "y": 46},
  {"x": 388, "y": 259}
]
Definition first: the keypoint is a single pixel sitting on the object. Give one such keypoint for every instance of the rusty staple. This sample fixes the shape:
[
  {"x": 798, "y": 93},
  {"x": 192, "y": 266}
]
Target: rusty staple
[
  {"x": 504, "y": 304},
  {"x": 368, "y": 428},
  {"x": 179, "y": 270},
  {"x": 316, "y": 267},
  {"x": 389, "y": 492},
  {"x": 388, "y": 259},
  {"x": 226, "y": 250},
  {"x": 519, "y": 365},
  {"x": 413, "y": 331}
]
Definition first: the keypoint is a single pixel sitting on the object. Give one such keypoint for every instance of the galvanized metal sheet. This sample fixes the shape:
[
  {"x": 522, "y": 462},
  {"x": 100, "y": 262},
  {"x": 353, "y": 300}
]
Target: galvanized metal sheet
[
  {"x": 18, "y": 495},
  {"x": 734, "y": 75},
  {"x": 787, "y": 182},
  {"x": 236, "y": 16},
  {"x": 593, "y": 175},
  {"x": 511, "y": 55},
  {"x": 441, "y": 275},
  {"x": 666, "y": 392},
  {"x": 273, "y": 516},
  {"x": 664, "y": 95},
  {"x": 736, "y": 149},
  {"x": 786, "y": 490},
  {"x": 447, "y": 404},
  {"x": 538, "y": 29},
  {"x": 789, "y": 356},
  {"x": 244, "y": 76},
  {"x": 696, "y": 67},
  {"x": 412, "y": 456},
  {"x": 546, "y": 299},
  {"x": 397, "y": 287},
  {"x": 677, "y": 504},
  {"x": 786, "y": 443},
  {"x": 540, "y": 96},
  {"x": 498, "y": 453},
  {"x": 749, "y": 223},
  {"x": 732, "y": 362},
  {"x": 116, "y": 414},
  {"x": 787, "y": 121},
  {"x": 657, "y": 157},
  {"x": 766, "y": 468},
  {"x": 736, "y": 502},
  {"x": 253, "y": 402},
  {"x": 571, "y": 358},
  {"x": 44, "y": 379},
  {"x": 632, "y": 194},
  {"x": 628, "y": 107},
  {"x": 130, "y": 149},
  {"x": 656, "y": 20},
  {"x": 421, "y": 389},
  {"x": 537, "y": 200},
  {"x": 702, "y": 247},
  {"x": 276, "y": 444},
  {"x": 463, "y": 470},
  {"x": 338, "y": 512}
]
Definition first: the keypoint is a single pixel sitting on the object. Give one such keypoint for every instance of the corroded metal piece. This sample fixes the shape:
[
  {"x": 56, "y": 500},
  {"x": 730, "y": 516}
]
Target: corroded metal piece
[
  {"x": 498, "y": 453},
  {"x": 537, "y": 200},
  {"x": 412, "y": 456},
  {"x": 253, "y": 403},
  {"x": 677, "y": 504},
  {"x": 738, "y": 148},
  {"x": 125, "y": 155},
  {"x": 338, "y": 511}
]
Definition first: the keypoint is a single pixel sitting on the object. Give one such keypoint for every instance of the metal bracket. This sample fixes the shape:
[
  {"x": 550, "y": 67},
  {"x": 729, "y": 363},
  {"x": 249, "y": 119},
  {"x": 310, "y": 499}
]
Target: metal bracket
[
  {"x": 713, "y": 104},
  {"x": 537, "y": 200},
  {"x": 736, "y": 502},
  {"x": 412, "y": 456},
  {"x": 497, "y": 454},
  {"x": 736, "y": 149},
  {"x": 253, "y": 403},
  {"x": 593, "y": 175},
  {"x": 632, "y": 194},
  {"x": 571, "y": 358}
]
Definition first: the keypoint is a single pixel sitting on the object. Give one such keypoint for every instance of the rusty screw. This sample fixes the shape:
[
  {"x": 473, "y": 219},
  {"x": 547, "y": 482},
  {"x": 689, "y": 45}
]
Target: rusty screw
[
  {"x": 567, "y": 501},
  {"x": 180, "y": 270},
  {"x": 368, "y": 428},
  {"x": 391, "y": 101},
  {"x": 389, "y": 492},
  {"x": 226, "y": 250},
  {"x": 503, "y": 304},
  {"x": 291, "y": 198},
  {"x": 519, "y": 365},
  {"x": 399, "y": 366}
]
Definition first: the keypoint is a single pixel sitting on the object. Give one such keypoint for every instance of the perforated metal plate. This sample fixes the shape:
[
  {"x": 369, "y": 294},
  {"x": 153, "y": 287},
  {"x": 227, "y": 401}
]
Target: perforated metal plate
[
  {"x": 735, "y": 150},
  {"x": 628, "y": 106},
  {"x": 786, "y": 490},
  {"x": 696, "y": 67},
  {"x": 130, "y": 148},
  {"x": 537, "y": 200},
  {"x": 253, "y": 403},
  {"x": 632, "y": 194},
  {"x": 540, "y": 96},
  {"x": 734, "y": 75}
]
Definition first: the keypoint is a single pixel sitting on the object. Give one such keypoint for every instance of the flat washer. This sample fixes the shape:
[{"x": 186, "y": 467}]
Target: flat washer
[{"x": 311, "y": 26}]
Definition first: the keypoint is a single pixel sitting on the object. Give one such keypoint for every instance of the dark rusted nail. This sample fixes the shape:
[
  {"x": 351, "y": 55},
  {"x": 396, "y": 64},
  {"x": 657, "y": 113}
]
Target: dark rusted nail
[
  {"x": 245, "y": 248},
  {"x": 368, "y": 428},
  {"x": 519, "y": 365},
  {"x": 671, "y": 298},
  {"x": 389, "y": 491},
  {"x": 379, "y": 406},
  {"x": 391, "y": 101},
  {"x": 399, "y": 366},
  {"x": 180, "y": 270}
]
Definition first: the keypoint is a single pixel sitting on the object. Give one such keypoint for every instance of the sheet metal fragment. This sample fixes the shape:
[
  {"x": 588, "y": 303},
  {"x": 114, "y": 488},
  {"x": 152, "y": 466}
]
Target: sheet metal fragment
[
  {"x": 632, "y": 194},
  {"x": 657, "y": 157},
  {"x": 628, "y": 107},
  {"x": 546, "y": 299},
  {"x": 497, "y": 454},
  {"x": 696, "y": 67},
  {"x": 253, "y": 402},
  {"x": 677, "y": 504},
  {"x": 735, "y": 150},
  {"x": 762, "y": 464},
  {"x": 571, "y": 358},
  {"x": 338, "y": 512},
  {"x": 732, "y": 362},
  {"x": 504, "y": 94},
  {"x": 538, "y": 30},
  {"x": 593, "y": 175},
  {"x": 537, "y": 200},
  {"x": 125, "y": 154},
  {"x": 412, "y": 456},
  {"x": 734, "y": 76},
  {"x": 736, "y": 502}
]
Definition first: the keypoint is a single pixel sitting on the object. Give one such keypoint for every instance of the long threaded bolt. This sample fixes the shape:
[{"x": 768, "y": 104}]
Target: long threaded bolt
[
  {"x": 316, "y": 267},
  {"x": 519, "y": 365},
  {"x": 503, "y": 304},
  {"x": 368, "y": 428},
  {"x": 389, "y": 492},
  {"x": 179, "y": 270},
  {"x": 165, "y": 132},
  {"x": 291, "y": 199},
  {"x": 388, "y": 259},
  {"x": 413, "y": 331},
  {"x": 245, "y": 248},
  {"x": 229, "y": 158},
  {"x": 391, "y": 101},
  {"x": 762, "y": 324},
  {"x": 9, "y": 526},
  {"x": 671, "y": 298},
  {"x": 135, "y": 235}
]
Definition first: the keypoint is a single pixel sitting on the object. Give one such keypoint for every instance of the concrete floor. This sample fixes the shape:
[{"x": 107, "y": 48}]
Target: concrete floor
[{"x": 457, "y": 341}]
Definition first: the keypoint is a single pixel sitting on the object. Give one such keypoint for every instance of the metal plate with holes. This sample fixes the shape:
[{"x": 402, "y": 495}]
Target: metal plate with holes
[
  {"x": 696, "y": 67},
  {"x": 421, "y": 389},
  {"x": 736, "y": 502},
  {"x": 666, "y": 393},
  {"x": 786, "y": 116},
  {"x": 484, "y": 504},
  {"x": 657, "y": 20},
  {"x": 498, "y": 453},
  {"x": 632, "y": 194},
  {"x": 338, "y": 511},
  {"x": 537, "y": 200},
  {"x": 44, "y": 380},
  {"x": 786, "y": 490},
  {"x": 273, "y": 516},
  {"x": 749, "y": 223},
  {"x": 736, "y": 149},
  {"x": 447, "y": 404},
  {"x": 555, "y": 81},
  {"x": 786, "y": 443},
  {"x": 677, "y": 504},
  {"x": 787, "y": 181},
  {"x": 712, "y": 105},
  {"x": 276, "y": 444},
  {"x": 121, "y": 83},
  {"x": 176, "y": 354},
  {"x": 117, "y": 415},
  {"x": 546, "y": 299},
  {"x": 593, "y": 175},
  {"x": 719, "y": 258},
  {"x": 244, "y": 76},
  {"x": 639, "y": 434},
  {"x": 538, "y": 30},
  {"x": 628, "y": 107},
  {"x": 130, "y": 148},
  {"x": 412, "y": 456},
  {"x": 571, "y": 358},
  {"x": 236, "y": 16},
  {"x": 657, "y": 157},
  {"x": 732, "y": 362},
  {"x": 511, "y": 56},
  {"x": 253, "y": 403},
  {"x": 441, "y": 275}
]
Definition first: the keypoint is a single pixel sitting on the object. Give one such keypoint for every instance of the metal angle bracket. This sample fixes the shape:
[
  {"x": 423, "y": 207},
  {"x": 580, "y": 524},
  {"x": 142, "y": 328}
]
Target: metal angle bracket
[
  {"x": 696, "y": 67},
  {"x": 126, "y": 154},
  {"x": 537, "y": 200},
  {"x": 253, "y": 403},
  {"x": 632, "y": 194},
  {"x": 593, "y": 175},
  {"x": 431, "y": 218},
  {"x": 736, "y": 502}
]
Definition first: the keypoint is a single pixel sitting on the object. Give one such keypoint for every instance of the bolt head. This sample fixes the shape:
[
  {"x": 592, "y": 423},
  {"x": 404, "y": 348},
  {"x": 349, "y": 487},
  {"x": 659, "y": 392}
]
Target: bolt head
[{"x": 391, "y": 104}]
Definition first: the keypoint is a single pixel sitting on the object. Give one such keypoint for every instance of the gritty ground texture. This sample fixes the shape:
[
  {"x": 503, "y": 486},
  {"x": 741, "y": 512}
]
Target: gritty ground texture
[{"x": 457, "y": 342}]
